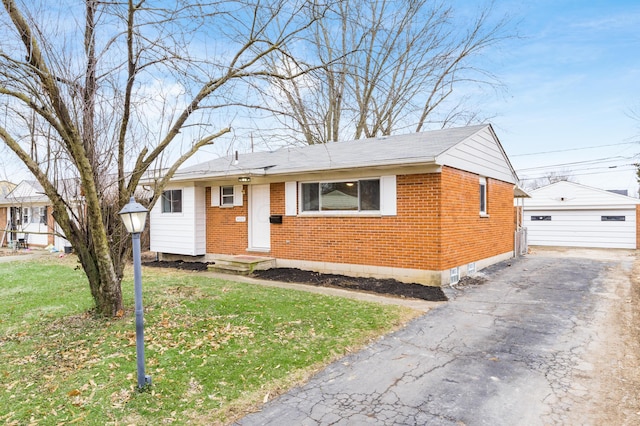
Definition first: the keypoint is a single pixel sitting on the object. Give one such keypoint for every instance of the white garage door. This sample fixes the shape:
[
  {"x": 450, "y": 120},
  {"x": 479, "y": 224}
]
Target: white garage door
[{"x": 582, "y": 228}]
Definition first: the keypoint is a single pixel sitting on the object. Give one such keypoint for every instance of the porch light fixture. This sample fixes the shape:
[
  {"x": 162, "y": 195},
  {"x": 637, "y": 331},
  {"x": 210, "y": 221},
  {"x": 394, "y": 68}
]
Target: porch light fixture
[
  {"x": 134, "y": 217},
  {"x": 244, "y": 179}
]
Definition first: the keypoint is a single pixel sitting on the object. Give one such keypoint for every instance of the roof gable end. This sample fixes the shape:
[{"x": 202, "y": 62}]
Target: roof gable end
[
  {"x": 480, "y": 153},
  {"x": 571, "y": 194}
]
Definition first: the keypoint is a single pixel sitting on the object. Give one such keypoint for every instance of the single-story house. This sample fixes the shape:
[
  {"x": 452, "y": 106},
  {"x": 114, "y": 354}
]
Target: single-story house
[
  {"x": 29, "y": 217},
  {"x": 574, "y": 215},
  {"x": 426, "y": 207}
]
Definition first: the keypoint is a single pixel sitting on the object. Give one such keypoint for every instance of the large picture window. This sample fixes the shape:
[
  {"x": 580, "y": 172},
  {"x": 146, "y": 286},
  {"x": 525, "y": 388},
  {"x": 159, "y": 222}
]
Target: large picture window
[
  {"x": 172, "y": 201},
  {"x": 354, "y": 196}
]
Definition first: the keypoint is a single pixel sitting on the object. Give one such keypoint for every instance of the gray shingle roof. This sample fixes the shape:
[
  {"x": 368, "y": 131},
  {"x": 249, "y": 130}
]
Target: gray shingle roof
[{"x": 412, "y": 148}]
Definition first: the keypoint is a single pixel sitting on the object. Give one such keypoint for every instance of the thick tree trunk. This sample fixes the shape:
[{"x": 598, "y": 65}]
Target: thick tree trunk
[
  {"x": 95, "y": 256},
  {"x": 106, "y": 288}
]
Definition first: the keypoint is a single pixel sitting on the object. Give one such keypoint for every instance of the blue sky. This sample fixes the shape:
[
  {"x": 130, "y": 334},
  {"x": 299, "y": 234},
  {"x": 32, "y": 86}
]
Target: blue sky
[{"x": 572, "y": 80}]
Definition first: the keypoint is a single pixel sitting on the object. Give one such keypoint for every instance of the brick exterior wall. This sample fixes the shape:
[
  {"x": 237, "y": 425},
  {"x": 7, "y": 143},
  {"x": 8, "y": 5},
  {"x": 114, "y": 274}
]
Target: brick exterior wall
[
  {"x": 408, "y": 240},
  {"x": 224, "y": 234},
  {"x": 437, "y": 226},
  {"x": 467, "y": 237}
]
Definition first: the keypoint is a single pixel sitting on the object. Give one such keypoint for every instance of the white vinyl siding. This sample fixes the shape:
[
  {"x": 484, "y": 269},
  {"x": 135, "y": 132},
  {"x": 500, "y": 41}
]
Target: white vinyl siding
[
  {"x": 576, "y": 217},
  {"x": 480, "y": 154},
  {"x": 200, "y": 221},
  {"x": 180, "y": 233},
  {"x": 581, "y": 228},
  {"x": 37, "y": 231}
]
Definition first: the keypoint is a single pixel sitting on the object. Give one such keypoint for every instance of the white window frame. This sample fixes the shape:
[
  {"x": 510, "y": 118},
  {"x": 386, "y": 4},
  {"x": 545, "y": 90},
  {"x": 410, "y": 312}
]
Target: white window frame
[
  {"x": 38, "y": 215},
  {"x": 226, "y": 199},
  {"x": 483, "y": 196},
  {"x": 343, "y": 212},
  {"x": 454, "y": 276},
  {"x": 471, "y": 268},
  {"x": 218, "y": 199},
  {"x": 25, "y": 216},
  {"x": 172, "y": 211}
]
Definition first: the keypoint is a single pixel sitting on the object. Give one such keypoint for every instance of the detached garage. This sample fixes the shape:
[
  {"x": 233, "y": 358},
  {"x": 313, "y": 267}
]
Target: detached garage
[{"x": 574, "y": 215}]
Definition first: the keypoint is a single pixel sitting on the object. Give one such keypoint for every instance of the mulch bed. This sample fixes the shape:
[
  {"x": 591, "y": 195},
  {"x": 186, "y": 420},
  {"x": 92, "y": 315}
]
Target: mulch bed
[
  {"x": 375, "y": 285},
  {"x": 178, "y": 264},
  {"x": 292, "y": 275}
]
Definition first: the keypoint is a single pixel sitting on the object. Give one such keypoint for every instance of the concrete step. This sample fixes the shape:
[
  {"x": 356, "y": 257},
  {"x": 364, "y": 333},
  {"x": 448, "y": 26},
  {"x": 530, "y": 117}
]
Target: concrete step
[{"x": 241, "y": 264}]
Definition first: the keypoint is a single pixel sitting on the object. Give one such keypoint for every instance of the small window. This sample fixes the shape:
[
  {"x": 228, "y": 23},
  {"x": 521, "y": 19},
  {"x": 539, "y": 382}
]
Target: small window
[
  {"x": 612, "y": 218},
  {"x": 454, "y": 275},
  {"x": 483, "y": 195},
  {"x": 471, "y": 268},
  {"x": 172, "y": 201},
  {"x": 226, "y": 196},
  {"x": 26, "y": 215},
  {"x": 540, "y": 217}
]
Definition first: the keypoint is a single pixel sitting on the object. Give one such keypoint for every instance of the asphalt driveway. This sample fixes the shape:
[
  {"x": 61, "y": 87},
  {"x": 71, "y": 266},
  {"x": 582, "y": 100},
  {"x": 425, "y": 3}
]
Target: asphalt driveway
[{"x": 511, "y": 351}]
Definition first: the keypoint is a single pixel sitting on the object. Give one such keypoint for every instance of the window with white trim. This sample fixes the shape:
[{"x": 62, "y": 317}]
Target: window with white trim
[
  {"x": 172, "y": 201},
  {"x": 39, "y": 215},
  {"x": 454, "y": 275},
  {"x": 483, "y": 195},
  {"x": 226, "y": 195},
  {"x": 344, "y": 196},
  {"x": 26, "y": 215},
  {"x": 471, "y": 268}
]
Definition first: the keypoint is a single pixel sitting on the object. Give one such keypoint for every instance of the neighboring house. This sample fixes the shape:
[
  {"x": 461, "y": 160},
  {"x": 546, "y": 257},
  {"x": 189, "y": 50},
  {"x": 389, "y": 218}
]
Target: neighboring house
[
  {"x": 424, "y": 207},
  {"x": 29, "y": 217},
  {"x": 574, "y": 215}
]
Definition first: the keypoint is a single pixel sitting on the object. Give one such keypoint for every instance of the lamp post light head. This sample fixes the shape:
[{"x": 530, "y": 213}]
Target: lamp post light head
[{"x": 134, "y": 216}]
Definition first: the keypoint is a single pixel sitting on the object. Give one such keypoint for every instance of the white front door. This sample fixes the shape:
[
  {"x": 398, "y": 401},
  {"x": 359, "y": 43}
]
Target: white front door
[{"x": 259, "y": 211}]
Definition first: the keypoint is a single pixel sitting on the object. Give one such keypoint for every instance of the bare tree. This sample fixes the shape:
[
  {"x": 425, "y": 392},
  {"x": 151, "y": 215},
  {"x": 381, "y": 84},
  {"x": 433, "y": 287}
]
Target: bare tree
[
  {"x": 99, "y": 93},
  {"x": 386, "y": 65},
  {"x": 549, "y": 178}
]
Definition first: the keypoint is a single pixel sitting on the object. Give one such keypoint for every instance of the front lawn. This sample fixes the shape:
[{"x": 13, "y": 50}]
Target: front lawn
[{"x": 214, "y": 348}]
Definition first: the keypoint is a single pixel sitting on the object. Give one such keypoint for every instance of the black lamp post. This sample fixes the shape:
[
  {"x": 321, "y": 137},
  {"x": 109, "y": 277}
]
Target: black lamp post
[{"x": 134, "y": 217}]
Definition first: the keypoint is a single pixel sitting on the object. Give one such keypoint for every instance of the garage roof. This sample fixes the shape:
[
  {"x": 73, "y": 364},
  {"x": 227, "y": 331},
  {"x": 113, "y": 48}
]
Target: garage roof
[{"x": 571, "y": 195}]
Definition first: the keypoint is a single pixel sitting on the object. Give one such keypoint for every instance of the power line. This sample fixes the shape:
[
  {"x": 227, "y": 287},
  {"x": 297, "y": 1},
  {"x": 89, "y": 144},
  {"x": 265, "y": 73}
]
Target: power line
[
  {"x": 588, "y": 172},
  {"x": 575, "y": 163},
  {"x": 575, "y": 149}
]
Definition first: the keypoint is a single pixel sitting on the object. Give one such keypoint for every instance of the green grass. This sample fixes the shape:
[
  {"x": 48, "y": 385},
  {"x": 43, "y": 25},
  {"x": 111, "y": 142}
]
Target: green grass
[{"x": 214, "y": 348}]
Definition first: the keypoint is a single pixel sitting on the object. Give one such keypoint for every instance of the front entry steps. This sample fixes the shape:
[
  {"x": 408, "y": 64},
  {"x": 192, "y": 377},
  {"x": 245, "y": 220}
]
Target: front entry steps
[{"x": 241, "y": 264}]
